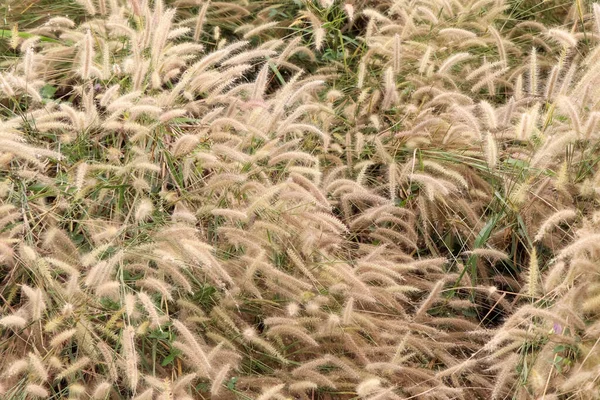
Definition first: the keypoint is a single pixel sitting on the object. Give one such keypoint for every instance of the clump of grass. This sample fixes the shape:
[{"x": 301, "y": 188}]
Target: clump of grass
[{"x": 365, "y": 199}]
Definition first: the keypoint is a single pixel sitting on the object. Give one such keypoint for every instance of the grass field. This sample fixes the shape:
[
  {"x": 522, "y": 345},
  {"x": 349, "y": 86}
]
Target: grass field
[{"x": 299, "y": 199}]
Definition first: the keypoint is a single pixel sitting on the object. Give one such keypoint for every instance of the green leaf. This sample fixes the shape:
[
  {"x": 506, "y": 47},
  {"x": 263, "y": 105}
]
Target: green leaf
[
  {"x": 231, "y": 383},
  {"x": 559, "y": 348},
  {"x": 6, "y": 33},
  {"x": 158, "y": 335},
  {"x": 520, "y": 164},
  {"x": 48, "y": 91},
  {"x": 169, "y": 359}
]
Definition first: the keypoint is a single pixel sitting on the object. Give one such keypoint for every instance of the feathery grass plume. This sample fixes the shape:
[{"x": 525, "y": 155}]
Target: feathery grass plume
[
  {"x": 581, "y": 244},
  {"x": 425, "y": 60},
  {"x": 80, "y": 176},
  {"x": 15, "y": 368},
  {"x": 596, "y": 15},
  {"x": 157, "y": 285},
  {"x": 74, "y": 368},
  {"x": 13, "y": 321},
  {"x": 533, "y": 72},
  {"x": 62, "y": 337},
  {"x": 433, "y": 187},
  {"x": 29, "y": 63},
  {"x": 302, "y": 386},
  {"x": 488, "y": 79},
  {"x": 6, "y": 87},
  {"x": 348, "y": 311},
  {"x": 590, "y": 125},
  {"x": 533, "y": 275},
  {"x": 518, "y": 88},
  {"x": 390, "y": 97},
  {"x": 489, "y": 114},
  {"x": 565, "y": 104},
  {"x": 271, "y": 392},
  {"x": 185, "y": 145},
  {"x": 396, "y": 54},
  {"x": 101, "y": 391},
  {"x": 326, "y": 3},
  {"x": 144, "y": 210},
  {"x": 87, "y": 56},
  {"x": 148, "y": 304},
  {"x": 15, "y": 39},
  {"x": 219, "y": 379},
  {"x": 568, "y": 79},
  {"x": 551, "y": 82},
  {"x": 499, "y": 44},
  {"x": 485, "y": 68},
  {"x": 430, "y": 300},
  {"x": 200, "y": 19},
  {"x": 452, "y": 61},
  {"x": 205, "y": 367},
  {"x": 99, "y": 274},
  {"x": 107, "y": 354},
  {"x": 256, "y": 30},
  {"x": 508, "y": 368},
  {"x": 36, "y": 391},
  {"x": 375, "y": 15},
  {"x": 172, "y": 114},
  {"x": 147, "y": 394},
  {"x": 299, "y": 263},
  {"x": 563, "y": 37},
  {"x": 491, "y": 254},
  {"x": 28, "y": 153},
  {"x": 293, "y": 331},
  {"x": 76, "y": 390},
  {"x": 130, "y": 356},
  {"x": 457, "y": 33},
  {"x": 591, "y": 304},
  {"x": 447, "y": 173},
  {"x": 349, "y": 10},
  {"x": 523, "y": 127},
  {"x": 38, "y": 367},
  {"x": 261, "y": 83},
  {"x": 552, "y": 221},
  {"x": 88, "y": 5},
  {"x": 36, "y": 303},
  {"x": 182, "y": 382},
  {"x": 393, "y": 181},
  {"x": 368, "y": 387},
  {"x": 491, "y": 150},
  {"x": 360, "y": 76},
  {"x": 317, "y": 28},
  {"x": 252, "y": 337}
]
